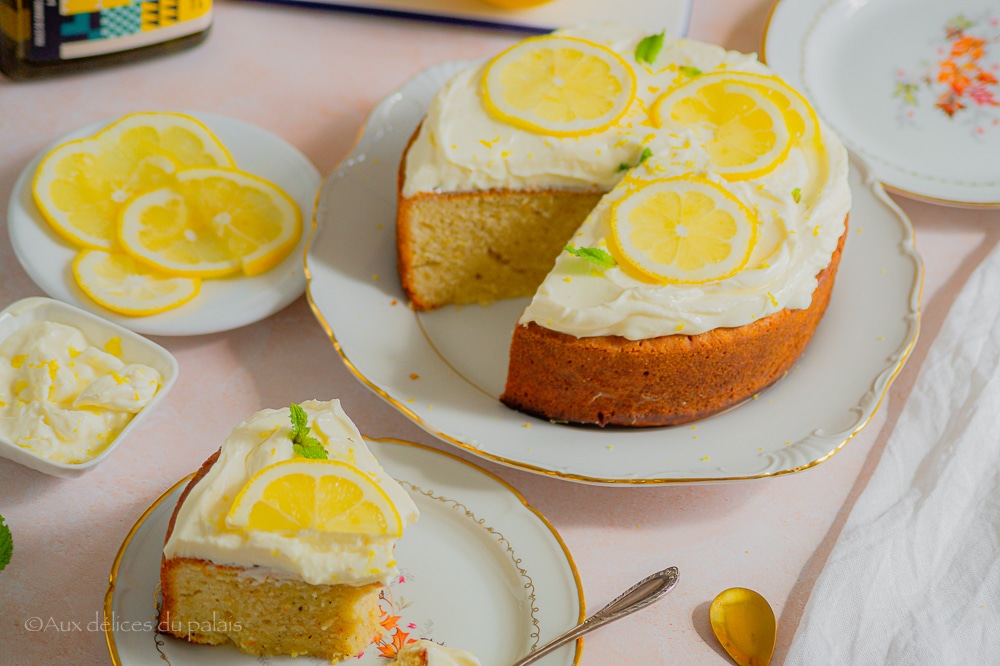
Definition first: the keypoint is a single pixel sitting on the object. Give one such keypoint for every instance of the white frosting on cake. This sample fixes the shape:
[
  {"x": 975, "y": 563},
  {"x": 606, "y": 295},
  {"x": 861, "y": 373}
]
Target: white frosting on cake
[
  {"x": 429, "y": 653},
  {"x": 316, "y": 557},
  {"x": 461, "y": 147}
]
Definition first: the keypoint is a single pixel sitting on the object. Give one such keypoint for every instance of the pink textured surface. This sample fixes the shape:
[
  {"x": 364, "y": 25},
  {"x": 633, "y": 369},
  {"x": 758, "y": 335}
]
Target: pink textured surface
[{"x": 311, "y": 77}]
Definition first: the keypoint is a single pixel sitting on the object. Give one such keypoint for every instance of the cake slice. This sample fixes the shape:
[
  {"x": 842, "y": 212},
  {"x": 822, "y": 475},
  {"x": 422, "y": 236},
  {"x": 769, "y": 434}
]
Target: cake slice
[{"x": 284, "y": 539}]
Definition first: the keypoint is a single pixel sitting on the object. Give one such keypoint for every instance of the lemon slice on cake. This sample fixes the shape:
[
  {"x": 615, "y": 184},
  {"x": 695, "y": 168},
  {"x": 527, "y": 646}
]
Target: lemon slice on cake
[
  {"x": 739, "y": 123},
  {"x": 120, "y": 284},
  {"x": 80, "y": 186},
  {"x": 211, "y": 222},
  {"x": 558, "y": 86},
  {"x": 681, "y": 230},
  {"x": 314, "y": 495}
]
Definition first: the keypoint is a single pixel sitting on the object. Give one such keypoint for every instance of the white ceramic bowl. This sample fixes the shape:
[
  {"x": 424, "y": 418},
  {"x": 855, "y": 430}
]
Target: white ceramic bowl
[{"x": 135, "y": 349}]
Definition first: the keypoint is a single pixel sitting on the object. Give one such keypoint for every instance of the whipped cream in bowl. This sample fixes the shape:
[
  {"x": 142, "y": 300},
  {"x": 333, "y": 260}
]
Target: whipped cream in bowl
[{"x": 73, "y": 385}]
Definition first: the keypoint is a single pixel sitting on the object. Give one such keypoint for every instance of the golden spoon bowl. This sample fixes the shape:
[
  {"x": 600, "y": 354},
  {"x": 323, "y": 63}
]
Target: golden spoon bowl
[{"x": 744, "y": 623}]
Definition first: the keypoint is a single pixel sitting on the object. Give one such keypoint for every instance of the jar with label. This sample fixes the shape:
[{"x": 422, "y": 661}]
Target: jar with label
[{"x": 43, "y": 37}]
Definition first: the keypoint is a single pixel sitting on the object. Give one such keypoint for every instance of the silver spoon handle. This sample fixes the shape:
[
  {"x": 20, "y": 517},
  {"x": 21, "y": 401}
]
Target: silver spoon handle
[{"x": 647, "y": 591}]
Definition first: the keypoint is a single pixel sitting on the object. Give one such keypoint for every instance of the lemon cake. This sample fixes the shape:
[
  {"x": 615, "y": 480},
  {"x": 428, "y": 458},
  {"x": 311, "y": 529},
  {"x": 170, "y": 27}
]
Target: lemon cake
[
  {"x": 675, "y": 211},
  {"x": 284, "y": 539}
]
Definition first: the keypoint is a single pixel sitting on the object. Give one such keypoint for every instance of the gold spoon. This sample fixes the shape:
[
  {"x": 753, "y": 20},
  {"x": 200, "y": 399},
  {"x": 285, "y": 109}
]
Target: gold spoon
[{"x": 744, "y": 623}]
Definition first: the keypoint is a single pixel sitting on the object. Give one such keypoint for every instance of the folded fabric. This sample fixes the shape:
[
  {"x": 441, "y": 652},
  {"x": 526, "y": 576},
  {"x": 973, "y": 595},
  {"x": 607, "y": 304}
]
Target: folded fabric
[{"x": 914, "y": 577}]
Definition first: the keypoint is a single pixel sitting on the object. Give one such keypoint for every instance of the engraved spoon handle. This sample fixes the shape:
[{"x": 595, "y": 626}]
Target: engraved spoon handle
[{"x": 647, "y": 591}]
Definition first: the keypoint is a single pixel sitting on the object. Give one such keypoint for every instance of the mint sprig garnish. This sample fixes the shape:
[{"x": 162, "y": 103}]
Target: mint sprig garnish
[
  {"x": 689, "y": 71},
  {"x": 797, "y": 195},
  {"x": 649, "y": 48},
  {"x": 6, "y": 544},
  {"x": 643, "y": 156},
  {"x": 304, "y": 444},
  {"x": 594, "y": 255}
]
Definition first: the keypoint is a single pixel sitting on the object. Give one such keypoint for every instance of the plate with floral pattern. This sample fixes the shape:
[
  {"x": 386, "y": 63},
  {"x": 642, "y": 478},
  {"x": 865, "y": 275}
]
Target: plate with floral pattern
[
  {"x": 912, "y": 86},
  {"x": 481, "y": 570}
]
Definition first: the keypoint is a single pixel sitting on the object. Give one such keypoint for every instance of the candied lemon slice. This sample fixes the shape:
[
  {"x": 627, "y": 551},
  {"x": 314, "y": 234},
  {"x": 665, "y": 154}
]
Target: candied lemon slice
[
  {"x": 558, "y": 86},
  {"x": 211, "y": 222},
  {"x": 309, "y": 494},
  {"x": 117, "y": 282},
  {"x": 682, "y": 230},
  {"x": 80, "y": 186},
  {"x": 744, "y": 132}
]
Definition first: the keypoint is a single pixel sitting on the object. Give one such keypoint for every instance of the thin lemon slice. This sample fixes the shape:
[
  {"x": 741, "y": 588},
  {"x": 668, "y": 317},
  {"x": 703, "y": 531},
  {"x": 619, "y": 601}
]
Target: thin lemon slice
[
  {"x": 682, "y": 230},
  {"x": 183, "y": 137},
  {"x": 558, "y": 86},
  {"x": 317, "y": 495},
  {"x": 744, "y": 132},
  {"x": 120, "y": 284},
  {"x": 81, "y": 185},
  {"x": 211, "y": 222}
]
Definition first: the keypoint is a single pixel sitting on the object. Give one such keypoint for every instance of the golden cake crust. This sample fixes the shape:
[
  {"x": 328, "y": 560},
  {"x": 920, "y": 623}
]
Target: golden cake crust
[
  {"x": 204, "y": 602},
  {"x": 673, "y": 379}
]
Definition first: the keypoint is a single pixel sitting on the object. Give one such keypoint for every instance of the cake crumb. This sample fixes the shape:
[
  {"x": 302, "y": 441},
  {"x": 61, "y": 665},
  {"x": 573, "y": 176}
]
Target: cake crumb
[
  {"x": 788, "y": 443},
  {"x": 610, "y": 447},
  {"x": 705, "y": 458},
  {"x": 880, "y": 338},
  {"x": 860, "y": 230},
  {"x": 411, "y": 400},
  {"x": 394, "y": 302},
  {"x": 527, "y": 425},
  {"x": 378, "y": 226},
  {"x": 414, "y": 376},
  {"x": 375, "y": 276}
]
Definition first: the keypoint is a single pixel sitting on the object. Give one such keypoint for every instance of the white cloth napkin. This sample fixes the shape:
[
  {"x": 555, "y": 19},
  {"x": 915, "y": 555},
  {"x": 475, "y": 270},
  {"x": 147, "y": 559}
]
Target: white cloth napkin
[{"x": 914, "y": 577}]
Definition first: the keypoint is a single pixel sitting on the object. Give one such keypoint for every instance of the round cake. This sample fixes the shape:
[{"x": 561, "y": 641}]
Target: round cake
[{"x": 674, "y": 210}]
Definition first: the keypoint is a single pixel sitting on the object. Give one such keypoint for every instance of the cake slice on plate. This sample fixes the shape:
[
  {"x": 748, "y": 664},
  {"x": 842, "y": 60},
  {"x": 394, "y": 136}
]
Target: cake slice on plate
[{"x": 284, "y": 539}]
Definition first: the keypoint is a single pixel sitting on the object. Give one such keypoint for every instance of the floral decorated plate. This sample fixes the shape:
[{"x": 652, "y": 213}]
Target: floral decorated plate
[
  {"x": 912, "y": 86},
  {"x": 481, "y": 570}
]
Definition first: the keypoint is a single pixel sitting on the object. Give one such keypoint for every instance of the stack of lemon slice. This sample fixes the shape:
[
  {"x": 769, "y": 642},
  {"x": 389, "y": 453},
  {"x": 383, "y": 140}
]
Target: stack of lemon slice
[{"x": 156, "y": 204}]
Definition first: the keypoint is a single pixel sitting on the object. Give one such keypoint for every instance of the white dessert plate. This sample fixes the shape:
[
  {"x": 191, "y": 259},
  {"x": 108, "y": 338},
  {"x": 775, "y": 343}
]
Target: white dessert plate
[
  {"x": 446, "y": 369},
  {"x": 480, "y": 570},
  {"x": 910, "y": 85},
  {"x": 97, "y": 331},
  {"x": 223, "y": 304},
  {"x": 671, "y": 15}
]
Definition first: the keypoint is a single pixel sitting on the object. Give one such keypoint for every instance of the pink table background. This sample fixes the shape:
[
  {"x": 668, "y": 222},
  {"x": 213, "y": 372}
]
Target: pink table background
[{"x": 312, "y": 77}]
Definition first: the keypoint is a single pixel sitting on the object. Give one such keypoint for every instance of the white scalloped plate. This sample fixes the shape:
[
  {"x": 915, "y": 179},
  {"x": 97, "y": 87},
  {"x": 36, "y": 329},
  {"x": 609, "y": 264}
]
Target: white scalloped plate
[
  {"x": 481, "y": 570},
  {"x": 445, "y": 369},
  {"x": 874, "y": 72}
]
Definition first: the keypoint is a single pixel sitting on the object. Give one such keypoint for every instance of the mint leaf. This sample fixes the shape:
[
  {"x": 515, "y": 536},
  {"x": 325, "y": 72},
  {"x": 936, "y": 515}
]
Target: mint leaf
[
  {"x": 797, "y": 195},
  {"x": 594, "y": 255},
  {"x": 643, "y": 156},
  {"x": 689, "y": 71},
  {"x": 6, "y": 544},
  {"x": 649, "y": 48},
  {"x": 304, "y": 444}
]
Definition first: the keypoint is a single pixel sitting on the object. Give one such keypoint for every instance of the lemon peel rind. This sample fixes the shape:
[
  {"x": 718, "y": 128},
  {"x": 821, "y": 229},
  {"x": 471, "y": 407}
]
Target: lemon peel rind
[
  {"x": 631, "y": 268},
  {"x": 238, "y": 515},
  {"x": 521, "y": 123}
]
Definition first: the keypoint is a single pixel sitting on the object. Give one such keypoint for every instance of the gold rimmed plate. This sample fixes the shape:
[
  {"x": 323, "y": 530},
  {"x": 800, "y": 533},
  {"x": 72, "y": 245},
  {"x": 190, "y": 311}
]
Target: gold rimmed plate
[
  {"x": 445, "y": 369},
  {"x": 480, "y": 570},
  {"x": 911, "y": 86}
]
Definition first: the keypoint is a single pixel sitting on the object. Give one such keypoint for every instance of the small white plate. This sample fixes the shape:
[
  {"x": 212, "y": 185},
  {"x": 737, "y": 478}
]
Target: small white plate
[
  {"x": 446, "y": 369},
  {"x": 223, "y": 304},
  {"x": 135, "y": 349},
  {"x": 481, "y": 570},
  {"x": 873, "y": 70}
]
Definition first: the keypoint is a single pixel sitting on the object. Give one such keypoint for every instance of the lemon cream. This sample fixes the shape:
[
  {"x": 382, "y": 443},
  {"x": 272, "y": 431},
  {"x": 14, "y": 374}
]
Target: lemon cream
[
  {"x": 798, "y": 201},
  {"x": 62, "y": 397},
  {"x": 204, "y": 528},
  {"x": 429, "y": 653}
]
